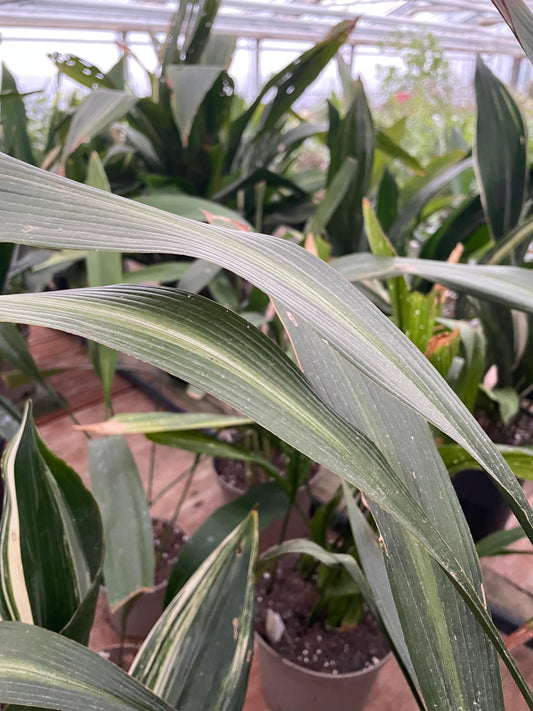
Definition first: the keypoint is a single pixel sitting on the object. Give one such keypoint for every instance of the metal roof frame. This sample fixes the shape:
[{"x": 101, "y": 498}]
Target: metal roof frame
[{"x": 468, "y": 26}]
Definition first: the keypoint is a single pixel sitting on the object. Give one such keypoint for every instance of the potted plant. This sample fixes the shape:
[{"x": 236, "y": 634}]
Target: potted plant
[
  {"x": 292, "y": 409},
  {"x": 335, "y": 413},
  {"x": 318, "y": 642}
]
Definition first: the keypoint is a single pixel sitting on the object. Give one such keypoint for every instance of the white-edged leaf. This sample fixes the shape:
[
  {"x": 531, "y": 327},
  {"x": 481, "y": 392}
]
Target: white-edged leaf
[
  {"x": 50, "y": 539},
  {"x": 198, "y": 655},
  {"x": 221, "y": 353}
]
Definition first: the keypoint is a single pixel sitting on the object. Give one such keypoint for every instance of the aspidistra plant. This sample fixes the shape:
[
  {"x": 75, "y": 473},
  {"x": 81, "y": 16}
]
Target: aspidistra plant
[{"x": 219, "y": 352}]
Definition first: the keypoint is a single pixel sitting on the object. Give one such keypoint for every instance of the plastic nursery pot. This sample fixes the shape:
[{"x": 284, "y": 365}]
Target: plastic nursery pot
[
  {"x": 485, "y": 509},
  {"x": 270, "y": 536},
  {"x": 290, "y": 687},
  {"x": 137, "y": 618}
]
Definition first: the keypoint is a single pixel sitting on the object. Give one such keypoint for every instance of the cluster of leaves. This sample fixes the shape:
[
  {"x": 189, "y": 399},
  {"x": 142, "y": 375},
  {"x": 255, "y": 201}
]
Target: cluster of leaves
[{"x": 364, "y": 392}]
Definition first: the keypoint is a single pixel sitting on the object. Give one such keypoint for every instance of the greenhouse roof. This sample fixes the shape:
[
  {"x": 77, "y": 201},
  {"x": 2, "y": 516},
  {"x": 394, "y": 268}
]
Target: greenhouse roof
[{"x": 461, "y": 25}]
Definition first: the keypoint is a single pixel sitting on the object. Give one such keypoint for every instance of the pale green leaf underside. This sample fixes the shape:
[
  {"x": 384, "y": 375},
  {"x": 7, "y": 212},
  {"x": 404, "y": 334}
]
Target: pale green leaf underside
[
  {"x": 151, "y": 422},
  {"x": 190, "y": 84},
  {"x": 512, "y": 286},
  {"x": 100, "y": 108}
]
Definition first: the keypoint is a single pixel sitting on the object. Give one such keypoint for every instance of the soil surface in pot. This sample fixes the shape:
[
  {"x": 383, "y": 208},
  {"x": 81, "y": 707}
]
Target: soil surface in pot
[
  {"x": 241, "y": 475},
  {"x": 518, "y": 432},
  {"x": 335, "y": 651},
  {"x": 167, "y": 544}
]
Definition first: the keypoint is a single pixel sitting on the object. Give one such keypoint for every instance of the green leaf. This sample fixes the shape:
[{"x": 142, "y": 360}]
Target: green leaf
[
  {"x": 428, "y": 603},
  {"x": 466, "y": 225},
  {"x": 117, "y": 74},
  {"x": 10, "y": 419},
  {"x": 380, "y": 246},
  {"x": 102, "y": 269},
  {"x": 351, "y": 136},
  {"x": 400, "y": 231},
  {"x": 269, "y": 500},
  {"x": 117, "y": 487},
  {"x": 38, "y": 667},
  {"x": 374, "y": 568},
  {"x": 511, "y": 286},
  {"x": 14, "y": 348},
  {"x": 500, "y": 152},
  {"x": 163, "y": 273},
  {"x": 516, "y": 241},
  {"x": 13, "y": 119},
  {"x": 198, "y": 275},
  {"x": 473, "y": 349},
  {"x": 150, "y": 422},
  {"x": 189, "y": 85},
  {"x": 211, "y": 446},
  {"x": 289, "y": 84},
  {"x": 496, "y": 543},
  {"x": 518, "y": 458},
  {"x": 198, "y": 655},
  {"x": 100, "y": 109},
  {"x": 193, "y": 208},
  {"x": 81, "y": 71},
  {"x": 219, "y": 50},
  {"x": 387, "y": 200},
  {"x": 184, "y": 337},
  {"x": 6, "y": 254},
  {"x": 418, "y": 318},
  {"x": 520, "y": 19},
  {"x": 310, "y": 289},
  {"x": 50, "y": 538},
  {"x": 507, "y": 400},
  {"x": 385, "y": 144},
  {"x": 333, "y": 197}
]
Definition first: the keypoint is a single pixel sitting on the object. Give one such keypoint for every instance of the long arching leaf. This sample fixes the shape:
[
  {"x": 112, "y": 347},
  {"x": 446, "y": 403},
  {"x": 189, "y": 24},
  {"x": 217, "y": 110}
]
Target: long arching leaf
[
  {"x": 44, "y": 210},
  {"x": 511, "y": 286},
  {"x": 428, "y": 603}
]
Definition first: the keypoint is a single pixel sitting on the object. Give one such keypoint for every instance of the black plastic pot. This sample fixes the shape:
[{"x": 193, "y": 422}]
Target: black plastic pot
[{"x": 485, "y": 509}]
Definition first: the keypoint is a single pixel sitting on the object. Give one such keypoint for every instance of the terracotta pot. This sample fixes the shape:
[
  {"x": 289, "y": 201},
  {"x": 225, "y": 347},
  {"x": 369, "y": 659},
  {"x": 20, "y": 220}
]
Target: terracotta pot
[
  {"x": 290, "y": 687},
  {"x": 270, "y": 536},
  {"x": 144, "y": 610}
]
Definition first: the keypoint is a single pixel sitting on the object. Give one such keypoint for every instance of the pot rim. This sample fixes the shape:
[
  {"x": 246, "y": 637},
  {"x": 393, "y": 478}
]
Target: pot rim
[{"x": 319, "y": 675}]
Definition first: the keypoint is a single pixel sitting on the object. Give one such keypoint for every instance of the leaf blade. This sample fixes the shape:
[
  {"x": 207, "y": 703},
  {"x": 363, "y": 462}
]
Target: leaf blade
[{"x": 117, "y": 486}]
